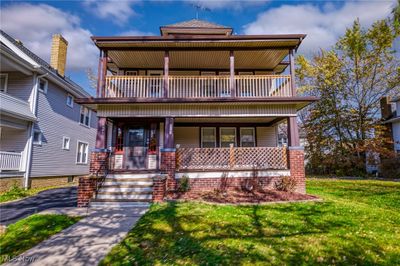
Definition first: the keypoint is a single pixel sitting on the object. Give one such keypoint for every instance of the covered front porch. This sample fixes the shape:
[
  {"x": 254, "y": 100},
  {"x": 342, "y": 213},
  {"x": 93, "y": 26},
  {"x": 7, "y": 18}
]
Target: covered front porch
[{"x": 199, "y": 144}]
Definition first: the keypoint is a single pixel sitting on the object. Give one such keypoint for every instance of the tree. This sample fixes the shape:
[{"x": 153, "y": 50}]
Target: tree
[{"x": 342, "y": 127}]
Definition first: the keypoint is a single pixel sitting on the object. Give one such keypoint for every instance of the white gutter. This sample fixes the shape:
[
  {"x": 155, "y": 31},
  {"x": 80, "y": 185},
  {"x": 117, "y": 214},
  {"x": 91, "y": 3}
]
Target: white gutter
[{"x": 31, "y": 128}]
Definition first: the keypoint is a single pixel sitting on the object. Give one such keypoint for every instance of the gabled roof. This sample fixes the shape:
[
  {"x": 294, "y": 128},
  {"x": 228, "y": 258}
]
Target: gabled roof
[
  {"x": 39, "y": 62},
  {"x": 196, "y": 23}
]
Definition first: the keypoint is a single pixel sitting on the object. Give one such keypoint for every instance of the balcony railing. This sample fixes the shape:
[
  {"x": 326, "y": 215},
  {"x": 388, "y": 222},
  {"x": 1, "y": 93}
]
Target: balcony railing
[
  {"x": 10, "y": 161},
  {"x": 254, "y": 86},
  {"x": 239, "y": 158}
]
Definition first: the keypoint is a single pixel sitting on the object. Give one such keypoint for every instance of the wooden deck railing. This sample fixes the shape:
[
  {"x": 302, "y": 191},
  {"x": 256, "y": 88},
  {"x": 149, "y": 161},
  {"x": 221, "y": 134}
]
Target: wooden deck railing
[
  {"x": 233, "y": 158},
  {"x": 10, "y": 160},
  {"x": 254, "y": 86}
]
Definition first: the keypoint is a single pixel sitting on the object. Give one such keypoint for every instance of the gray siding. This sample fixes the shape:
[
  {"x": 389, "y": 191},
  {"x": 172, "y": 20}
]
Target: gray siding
[
  {"x": 13, "y": 140},
  {"x": 55, "y": 120},
  {"x": 19, "y": 85}
]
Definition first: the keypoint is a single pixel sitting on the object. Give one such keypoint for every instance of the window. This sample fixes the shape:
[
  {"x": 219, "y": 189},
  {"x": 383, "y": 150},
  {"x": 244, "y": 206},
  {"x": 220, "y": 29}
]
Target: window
[
  {"x": 131, "y": 73},
  {"x": 3, "y": 82},
  {"x": 208, "y": 137},
  {"x": 85, "y": 116},
  {"x": 43, "y": 85},
  {"x": 82, "y": 153},
  {"x": 70, "y": 100},
  {"x": 227, "y": 136},
  {"x": 247, "y": 137},
  {"x": 37, "y": 137},
  {"x": 65, "y": 143}
]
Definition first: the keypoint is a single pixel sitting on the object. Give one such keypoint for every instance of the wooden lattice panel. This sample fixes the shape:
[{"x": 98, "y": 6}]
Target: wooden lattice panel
[{"x": 231, "y": 158}]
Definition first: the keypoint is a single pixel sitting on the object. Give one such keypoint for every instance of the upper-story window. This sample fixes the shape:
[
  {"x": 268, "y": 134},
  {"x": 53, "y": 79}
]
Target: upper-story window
[
  {"x": 3, "y": 82},
  {"x": 43, "y": 85},
  {"x": 37, "y": 137},
  {"x": 85, "y": 116},
  {"x": 70, "y": 100}
]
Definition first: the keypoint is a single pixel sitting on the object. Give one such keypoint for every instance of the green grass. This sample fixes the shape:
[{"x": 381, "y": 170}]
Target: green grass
[
  {"x": 15, "y": 193},
  {"x": 28, "y": 232},
  {"x": 358, "y": 223}
]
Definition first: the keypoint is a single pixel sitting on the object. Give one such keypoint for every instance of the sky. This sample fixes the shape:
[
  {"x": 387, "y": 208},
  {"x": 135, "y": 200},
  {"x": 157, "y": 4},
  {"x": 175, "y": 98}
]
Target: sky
[{"x": 34, "y": 22}]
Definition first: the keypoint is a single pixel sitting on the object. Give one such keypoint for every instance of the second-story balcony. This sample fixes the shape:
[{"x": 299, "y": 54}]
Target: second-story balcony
[{"x": 204, "y": 87}]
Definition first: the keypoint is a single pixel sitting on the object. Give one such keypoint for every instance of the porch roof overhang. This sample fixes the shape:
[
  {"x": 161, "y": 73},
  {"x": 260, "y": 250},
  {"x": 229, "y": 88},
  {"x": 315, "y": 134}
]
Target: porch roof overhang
[
  {"x": 258, "y": 52},
  {"x": 229, "y": 107}
]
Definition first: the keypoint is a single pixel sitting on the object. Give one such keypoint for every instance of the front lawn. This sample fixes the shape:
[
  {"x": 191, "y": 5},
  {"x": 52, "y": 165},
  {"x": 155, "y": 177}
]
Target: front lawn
[
  {"x": 28, "y": 232},
  {"x": 357, "y": 224}
]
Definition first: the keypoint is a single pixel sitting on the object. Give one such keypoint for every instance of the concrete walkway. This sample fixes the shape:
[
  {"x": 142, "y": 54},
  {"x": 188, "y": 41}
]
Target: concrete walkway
[{"x": 87, "y": 241}]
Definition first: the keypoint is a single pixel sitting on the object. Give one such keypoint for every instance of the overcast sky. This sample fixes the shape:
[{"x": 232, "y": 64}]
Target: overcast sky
[{"x": 34, "y": 22}]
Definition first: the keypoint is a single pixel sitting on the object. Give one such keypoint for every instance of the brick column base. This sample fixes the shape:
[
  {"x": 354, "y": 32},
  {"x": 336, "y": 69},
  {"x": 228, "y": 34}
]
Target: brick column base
[
  {"x": 86, "y": 190},
  {"x": 168, "y": 165},
  {"x": 98, "y": 161},
  {"x": 296, "y": 166},
  {"x": 159, "y": 188}
]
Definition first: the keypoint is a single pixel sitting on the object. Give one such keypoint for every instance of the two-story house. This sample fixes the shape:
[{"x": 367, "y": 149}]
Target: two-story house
[
  {"x": 45, "y": 136},
  {"x": 195, "y": 102},
  {"x": 391, "y": 118}
]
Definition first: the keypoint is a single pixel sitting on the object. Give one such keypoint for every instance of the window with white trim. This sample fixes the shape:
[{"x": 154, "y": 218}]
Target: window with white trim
[
  {"x": 85, "y": 116},
  {"x": 43, "y": 84},
  {"x": 227, "y": 136},
  {"x": 66, "y": 143},
  {"x": 82, "y": 152},
  {"x": 37, "y": 137},
  {"x": 70, "y": 100},
  {"x": 3, "y": 82},
  {"x": 247, "y": 137},
  {"x": 208, "y": 137}
]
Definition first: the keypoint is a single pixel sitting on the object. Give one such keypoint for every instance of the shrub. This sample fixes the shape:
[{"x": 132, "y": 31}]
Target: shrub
[
  {"x": 184, "y": 185},
  {"x": 286, "y": 183},
  {"x": 390, "y": 168}
]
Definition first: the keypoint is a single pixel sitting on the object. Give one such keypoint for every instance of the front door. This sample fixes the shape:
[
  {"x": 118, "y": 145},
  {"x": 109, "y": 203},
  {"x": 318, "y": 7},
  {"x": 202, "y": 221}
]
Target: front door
[{"x": 136, "y": 147}]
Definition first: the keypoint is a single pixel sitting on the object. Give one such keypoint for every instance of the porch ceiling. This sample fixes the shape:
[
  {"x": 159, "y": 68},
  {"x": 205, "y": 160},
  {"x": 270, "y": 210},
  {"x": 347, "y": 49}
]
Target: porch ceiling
[
  {"x": 225, "y": 120},
  {"x": 259, "y": 59}
]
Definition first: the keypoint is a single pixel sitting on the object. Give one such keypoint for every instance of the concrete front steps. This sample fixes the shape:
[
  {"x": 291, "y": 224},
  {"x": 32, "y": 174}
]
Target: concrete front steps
[{"x": 125, "y": 190}]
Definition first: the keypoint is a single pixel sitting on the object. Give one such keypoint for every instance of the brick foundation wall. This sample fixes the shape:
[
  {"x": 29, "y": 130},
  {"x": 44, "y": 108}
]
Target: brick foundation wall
[
  {"x": 159, "y": 188},
  {"x": 98, "y": 160},
  {"x": 86, "y": 190},
  {"x": 296, "y": 166},
  {"x": 168, "y": 165},
  {"x": 230, "y": 183}
]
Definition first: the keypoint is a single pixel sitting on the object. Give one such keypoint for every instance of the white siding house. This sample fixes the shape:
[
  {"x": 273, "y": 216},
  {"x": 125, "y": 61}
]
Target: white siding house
[{"x": 42, "y": 131}]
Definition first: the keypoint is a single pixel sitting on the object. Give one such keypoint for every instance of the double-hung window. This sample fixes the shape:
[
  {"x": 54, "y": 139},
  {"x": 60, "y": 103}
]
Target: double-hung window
[
  {"x": 82, "y": 152},
  {"x": 70, "y": 100},
  {"x": 247, "y": 137},
  {"x": 65, "y": 143},
  {"x": 43, "y": 84},
  {"x": 37, "y": 137},
  {"x": 208, "y": 137},
  {"x": 227, "y": 136},
  {"x": 85, "y": 116}
]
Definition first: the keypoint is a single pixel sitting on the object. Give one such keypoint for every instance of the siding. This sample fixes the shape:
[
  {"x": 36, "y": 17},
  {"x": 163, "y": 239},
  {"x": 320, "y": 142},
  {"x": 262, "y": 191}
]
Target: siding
[
  {"x": 13, "y": 140},
  {"x": 187, "y": 137},
  {"x": 55, "y": 120},
  {"x": 19, "y": 85},
  {"x": 266, "y": 137}
]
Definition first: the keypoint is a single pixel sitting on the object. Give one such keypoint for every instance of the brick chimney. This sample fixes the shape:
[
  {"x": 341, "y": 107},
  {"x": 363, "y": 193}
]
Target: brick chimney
[
  {"x": 386, "y": 108},
  {"x": 58, "y": 57}
]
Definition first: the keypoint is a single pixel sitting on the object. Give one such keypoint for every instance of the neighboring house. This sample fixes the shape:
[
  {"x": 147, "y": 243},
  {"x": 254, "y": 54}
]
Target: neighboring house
[
  {"x": 391, "y": 117},
  {"x": 195, "y": 102},
  {"x": 45, "y": 135}
]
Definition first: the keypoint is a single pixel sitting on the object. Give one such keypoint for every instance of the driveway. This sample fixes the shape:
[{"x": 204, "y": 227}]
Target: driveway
[{"x": 58, "y": 197}]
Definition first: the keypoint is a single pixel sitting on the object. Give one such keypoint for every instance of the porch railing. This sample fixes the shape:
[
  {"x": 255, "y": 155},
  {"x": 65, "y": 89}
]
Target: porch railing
[
  {"x": 10, "y": 161},
  {"x": 252, "y": 86},
  {"x": 231, "y": 158}
]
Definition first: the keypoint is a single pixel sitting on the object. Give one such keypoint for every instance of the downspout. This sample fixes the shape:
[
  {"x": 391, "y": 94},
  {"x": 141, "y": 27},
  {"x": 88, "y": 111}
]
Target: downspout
[{"x": 31, "y": 128}]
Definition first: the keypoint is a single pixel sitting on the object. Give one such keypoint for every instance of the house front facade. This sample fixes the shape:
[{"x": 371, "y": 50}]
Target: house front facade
[
  {"x": 45, "y": 135},
  {"x": 196, "y": 102}
]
